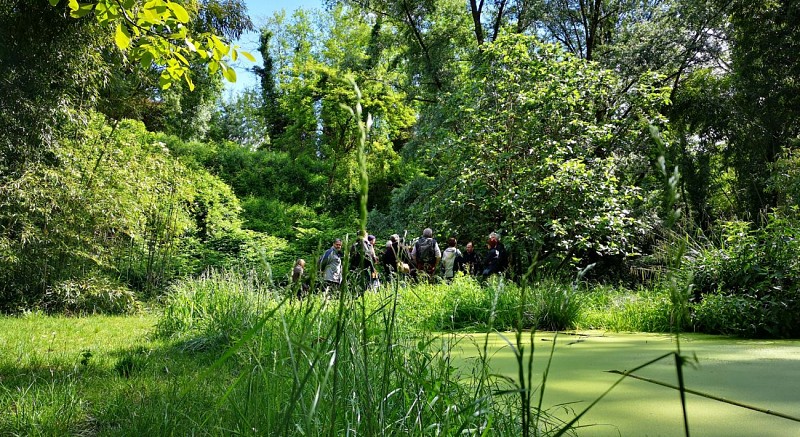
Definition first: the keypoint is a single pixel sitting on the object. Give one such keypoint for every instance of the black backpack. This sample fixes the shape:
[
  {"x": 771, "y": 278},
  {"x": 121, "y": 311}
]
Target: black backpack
[
  {"x": 358, "y": 255},
  {"x": 426, "y": 251}
]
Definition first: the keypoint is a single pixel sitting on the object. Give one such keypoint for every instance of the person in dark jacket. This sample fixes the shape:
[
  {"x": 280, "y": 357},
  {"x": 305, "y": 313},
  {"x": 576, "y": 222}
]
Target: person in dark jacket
[
  {"x": 362, "y": 264},
  {"x": 390, "y": 256},
  {"x": 471, "y": 261}
]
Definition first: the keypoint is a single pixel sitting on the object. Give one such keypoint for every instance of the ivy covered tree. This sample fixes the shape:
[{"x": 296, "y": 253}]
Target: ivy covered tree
[
  {"x": 308, "y": 84},
  {"x": 766, "y": 86}
]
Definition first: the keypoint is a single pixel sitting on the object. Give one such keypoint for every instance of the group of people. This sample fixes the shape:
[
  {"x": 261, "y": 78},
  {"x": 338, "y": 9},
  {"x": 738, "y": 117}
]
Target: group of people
[{"x": 421, "y": 260}]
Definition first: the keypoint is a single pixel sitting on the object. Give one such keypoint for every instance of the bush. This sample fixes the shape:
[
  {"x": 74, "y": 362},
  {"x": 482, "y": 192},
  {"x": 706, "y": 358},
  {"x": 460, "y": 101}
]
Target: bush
[
  {"x": 748, "y": 281},
  {"x": 467, "y": 304},
  {"x": 90, "y": 295},
  {"x": 556, "y": 304},
  {"x": 748, "y": 315}
]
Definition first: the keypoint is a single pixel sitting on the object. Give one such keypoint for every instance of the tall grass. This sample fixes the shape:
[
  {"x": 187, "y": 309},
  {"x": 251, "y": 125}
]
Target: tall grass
[
  {"x": 615, "y": 309},
  {"x": 327, "y": 366}
]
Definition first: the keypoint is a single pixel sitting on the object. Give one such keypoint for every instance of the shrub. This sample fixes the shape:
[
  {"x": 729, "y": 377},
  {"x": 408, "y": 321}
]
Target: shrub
[
  {"x": 750, "y": 274},
  {"x": 556, "y": 305},
  {"x": 748, "y": 315},
  {"x": 90, "y": 295}
]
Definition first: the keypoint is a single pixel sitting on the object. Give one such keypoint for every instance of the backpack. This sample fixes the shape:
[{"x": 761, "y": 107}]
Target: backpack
[
  {"x": 358, "y": 255},
  {"x": 426, "y": 251}
]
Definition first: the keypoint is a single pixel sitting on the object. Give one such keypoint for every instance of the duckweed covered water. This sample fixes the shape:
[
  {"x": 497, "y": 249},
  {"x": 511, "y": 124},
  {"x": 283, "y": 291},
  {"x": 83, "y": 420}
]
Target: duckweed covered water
[{"x": 763, "y": 374}]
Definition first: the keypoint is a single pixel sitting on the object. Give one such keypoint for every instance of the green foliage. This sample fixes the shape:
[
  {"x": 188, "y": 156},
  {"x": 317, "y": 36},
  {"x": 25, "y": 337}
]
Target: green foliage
[
  {"x": 645, "y": 310},
  {"x": 50, "y": 66},
  {"x": 740, "y": 314},
  {"x": 158, "y": 32},
  {"x": 131, "y": 362},
  {"x": 785, "y": 183},
  {"x": 761, "y": 260},
  {"x": 750, "y": 274},
  {"x": 115, "y": 204},
  {"x": 546, "y": 157},
  {"x": 556, "y": 305},
  {"x": 749, "y": 314},
  {"x": 325, "y": 362},
  {"x": 240, "y": 120},
  {"x": 215, "y": 309},
  {"x": 766, "y": 85},
  {"x": 309, "y": 90},
  {"x": 90, "y": 295}
]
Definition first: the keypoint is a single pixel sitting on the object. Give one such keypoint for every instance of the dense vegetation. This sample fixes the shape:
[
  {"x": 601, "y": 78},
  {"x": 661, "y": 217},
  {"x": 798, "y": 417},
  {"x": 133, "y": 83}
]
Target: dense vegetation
[
  {"x": 638, "y": 159},
  {"x": 649, "y": 145}
]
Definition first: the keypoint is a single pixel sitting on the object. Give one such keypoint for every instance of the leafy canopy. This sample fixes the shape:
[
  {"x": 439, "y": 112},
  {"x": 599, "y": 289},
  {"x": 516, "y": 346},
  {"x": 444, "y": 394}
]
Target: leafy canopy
[{"x": 158, "y": 32}]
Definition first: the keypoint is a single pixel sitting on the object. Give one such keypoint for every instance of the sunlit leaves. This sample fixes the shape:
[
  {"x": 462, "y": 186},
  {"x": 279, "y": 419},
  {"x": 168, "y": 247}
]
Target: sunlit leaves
[
  {"x": 543, "y": 147},
  {"x": 157, "y": 33},
  {"x": 179, "y": 11},
  {"x": 122, "y": 38}
]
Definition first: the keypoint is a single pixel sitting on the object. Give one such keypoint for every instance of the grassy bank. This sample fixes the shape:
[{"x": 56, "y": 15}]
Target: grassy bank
[
  {"x": 226, "y": 358},
  {"x": 228, "y": 354}
]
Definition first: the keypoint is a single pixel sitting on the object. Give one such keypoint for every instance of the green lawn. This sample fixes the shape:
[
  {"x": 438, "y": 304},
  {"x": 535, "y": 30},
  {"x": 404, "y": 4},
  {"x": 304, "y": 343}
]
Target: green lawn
[{"x": 93, "y": 376}]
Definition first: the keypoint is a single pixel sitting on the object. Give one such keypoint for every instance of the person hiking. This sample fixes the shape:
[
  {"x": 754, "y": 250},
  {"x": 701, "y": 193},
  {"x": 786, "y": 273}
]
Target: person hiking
[
  {"x": 301, "y": 288},
  {"x": 471, "y": 261},
  {"x": 426, "y": 253},
  {"x": 496, "y": 258},
  {"x": 501, "y": 249},
  {"x": 391, "y": 256},
  {"x": 362, "y": 263},
  {"x": 330, "y": 264},
  {"x": 376, "y": 282},
  {"x": 451, "y": 260}
]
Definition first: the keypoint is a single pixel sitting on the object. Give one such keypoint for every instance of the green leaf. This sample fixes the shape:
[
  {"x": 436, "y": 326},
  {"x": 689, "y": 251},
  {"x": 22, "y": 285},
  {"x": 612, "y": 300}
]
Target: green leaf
[
  {"x": 146, "y": 60},
  {"x": 190, "y": 45},
  {"x": 219, "y": 45},
  {"x": 82, "y": 10},
  {"x": 229, "y": 74},
  {"x": 54, "y": 2},
  {"x": 247, "y": 55},
  {"x": 73, "y": 5},
  {"x": 181, "y": 58},
  {"x": 179, "y": 11},
  {"x": 189, "y": 82},
  {"x": 121, "y": 37},
  {"x": 165, "y": 80}
]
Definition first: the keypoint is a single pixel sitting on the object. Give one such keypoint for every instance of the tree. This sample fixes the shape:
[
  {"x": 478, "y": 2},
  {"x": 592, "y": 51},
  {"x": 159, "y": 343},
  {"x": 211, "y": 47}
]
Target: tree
[
  {"x": 309, "y": 85},
  {"x": 158, "y": 32},
  {"x": 766, "y": 84},
  {"x": 133, "y": 90},
  {"x": 270, "y": 109},
  {"x": 117, "y": 206},
  {"x": 523, "y": 152},
  {"x": 49, "y": 67}
]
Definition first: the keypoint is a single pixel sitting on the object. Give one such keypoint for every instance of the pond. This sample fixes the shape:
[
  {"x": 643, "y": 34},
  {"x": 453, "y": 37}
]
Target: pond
[{"x": 762, "y": 374}]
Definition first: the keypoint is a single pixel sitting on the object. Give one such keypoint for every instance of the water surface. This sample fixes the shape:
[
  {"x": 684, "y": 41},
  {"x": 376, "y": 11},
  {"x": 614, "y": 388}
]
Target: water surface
[{"x": 764, "y": 374}]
